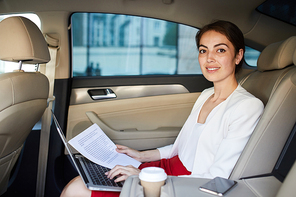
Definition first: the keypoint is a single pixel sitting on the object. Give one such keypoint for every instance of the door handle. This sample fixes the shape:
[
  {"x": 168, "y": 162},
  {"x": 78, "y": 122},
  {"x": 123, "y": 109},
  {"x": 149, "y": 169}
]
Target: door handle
[{"x": 99, "y": 94}]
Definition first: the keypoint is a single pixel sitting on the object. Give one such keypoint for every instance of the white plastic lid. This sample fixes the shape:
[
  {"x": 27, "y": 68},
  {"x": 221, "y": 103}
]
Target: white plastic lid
[{"x": 152, "y": 174}]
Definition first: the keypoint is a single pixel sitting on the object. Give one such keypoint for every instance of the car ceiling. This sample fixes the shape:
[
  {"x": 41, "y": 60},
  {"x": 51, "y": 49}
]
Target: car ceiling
[{"x": 259, "y": 30}]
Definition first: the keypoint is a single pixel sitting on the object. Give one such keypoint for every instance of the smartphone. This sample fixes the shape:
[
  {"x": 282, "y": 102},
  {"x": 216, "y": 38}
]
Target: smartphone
[{"x": 218, "y": 186}]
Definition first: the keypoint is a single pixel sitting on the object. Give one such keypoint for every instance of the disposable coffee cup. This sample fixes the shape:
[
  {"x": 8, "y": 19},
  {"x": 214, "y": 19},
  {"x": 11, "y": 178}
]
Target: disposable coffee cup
[{"x": 152, "y": 178}]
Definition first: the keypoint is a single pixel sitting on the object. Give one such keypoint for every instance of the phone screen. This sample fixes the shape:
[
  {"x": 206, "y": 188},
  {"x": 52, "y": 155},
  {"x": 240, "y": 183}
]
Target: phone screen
[{"x": 218, "y": 186}]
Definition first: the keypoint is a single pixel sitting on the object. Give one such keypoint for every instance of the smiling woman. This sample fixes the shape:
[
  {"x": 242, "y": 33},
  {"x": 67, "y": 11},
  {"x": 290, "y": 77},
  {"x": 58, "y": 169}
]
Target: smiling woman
[
  {"x": 218, "y": 128},
  {"x": 233, "y": 35},
  {"x": 218, "y": 58}
]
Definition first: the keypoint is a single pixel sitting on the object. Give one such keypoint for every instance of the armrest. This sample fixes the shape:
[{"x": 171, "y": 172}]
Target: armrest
[{"x": 182, "y": 186}]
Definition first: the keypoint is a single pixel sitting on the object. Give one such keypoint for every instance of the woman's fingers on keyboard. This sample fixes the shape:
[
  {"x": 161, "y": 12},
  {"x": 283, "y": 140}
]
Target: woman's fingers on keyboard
[{"x": 122, "y": 172}]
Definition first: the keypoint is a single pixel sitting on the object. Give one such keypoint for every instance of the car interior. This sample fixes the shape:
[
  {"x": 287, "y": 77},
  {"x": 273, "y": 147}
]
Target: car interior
[{"x": 130, "y": 66}]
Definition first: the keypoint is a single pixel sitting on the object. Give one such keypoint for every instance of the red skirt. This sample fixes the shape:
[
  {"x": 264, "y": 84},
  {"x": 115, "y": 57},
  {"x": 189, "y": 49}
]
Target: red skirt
[{"x": 172, "y": 167}]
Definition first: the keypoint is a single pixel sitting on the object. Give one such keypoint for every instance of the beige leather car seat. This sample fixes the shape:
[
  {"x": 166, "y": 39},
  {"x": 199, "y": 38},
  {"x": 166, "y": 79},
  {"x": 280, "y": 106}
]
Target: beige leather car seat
[
  {"x": 275, "y": 84},
  {"x": 288, "y": 187},
  {"x": 23, "y": 95}
]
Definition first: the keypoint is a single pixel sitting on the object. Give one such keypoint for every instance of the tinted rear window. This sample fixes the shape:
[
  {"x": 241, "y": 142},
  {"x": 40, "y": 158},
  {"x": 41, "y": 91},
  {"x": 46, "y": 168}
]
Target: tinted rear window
[{"x": 284, "y": 10}]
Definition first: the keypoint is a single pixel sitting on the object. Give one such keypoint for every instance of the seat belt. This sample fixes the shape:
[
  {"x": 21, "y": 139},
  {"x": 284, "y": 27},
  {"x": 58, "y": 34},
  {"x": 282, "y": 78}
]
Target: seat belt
[{"x": 49, "y": 71}]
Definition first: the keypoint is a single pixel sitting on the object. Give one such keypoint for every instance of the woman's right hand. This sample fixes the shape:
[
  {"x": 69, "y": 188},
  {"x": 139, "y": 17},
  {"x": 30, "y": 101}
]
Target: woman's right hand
[{"x": 122, "y": 172}]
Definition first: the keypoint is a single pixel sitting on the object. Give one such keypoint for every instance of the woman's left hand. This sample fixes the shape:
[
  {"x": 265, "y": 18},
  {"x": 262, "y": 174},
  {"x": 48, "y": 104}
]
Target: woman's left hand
[{"x": 122, "y": 172}]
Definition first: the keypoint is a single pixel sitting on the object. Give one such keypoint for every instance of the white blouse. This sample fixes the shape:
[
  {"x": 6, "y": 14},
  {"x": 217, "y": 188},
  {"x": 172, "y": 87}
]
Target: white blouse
[{"x": 212, "y": 149}]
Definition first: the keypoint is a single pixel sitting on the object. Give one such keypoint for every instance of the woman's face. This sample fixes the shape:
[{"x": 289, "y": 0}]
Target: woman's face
[{"x": 217, "y": 57}]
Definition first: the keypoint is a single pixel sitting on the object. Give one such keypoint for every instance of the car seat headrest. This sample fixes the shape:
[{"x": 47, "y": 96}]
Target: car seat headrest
[
  {"x": 277, "y": 55},
  {"x": 21, "y": 40}
]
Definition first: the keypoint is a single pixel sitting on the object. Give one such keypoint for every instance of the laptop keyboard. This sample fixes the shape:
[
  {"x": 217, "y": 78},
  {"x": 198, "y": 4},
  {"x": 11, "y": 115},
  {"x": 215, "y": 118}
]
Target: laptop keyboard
[{"x": 97, "y": 173}]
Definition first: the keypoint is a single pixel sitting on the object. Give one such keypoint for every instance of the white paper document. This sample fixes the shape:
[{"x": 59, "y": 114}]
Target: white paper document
[{"x": 95, "y": 145}]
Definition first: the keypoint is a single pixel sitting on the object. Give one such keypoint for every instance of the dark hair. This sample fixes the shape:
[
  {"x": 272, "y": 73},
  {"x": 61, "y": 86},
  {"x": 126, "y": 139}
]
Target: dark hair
[{"x": 232, "y": 33}]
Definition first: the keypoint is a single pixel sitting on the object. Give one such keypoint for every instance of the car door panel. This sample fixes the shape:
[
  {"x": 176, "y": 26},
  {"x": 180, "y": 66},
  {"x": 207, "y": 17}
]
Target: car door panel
[{"x": 140, "y": 122}]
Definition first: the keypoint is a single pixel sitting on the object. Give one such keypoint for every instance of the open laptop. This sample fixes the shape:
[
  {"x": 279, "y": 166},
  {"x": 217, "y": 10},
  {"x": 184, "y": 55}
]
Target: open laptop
[{"x": 92, "y": 174}]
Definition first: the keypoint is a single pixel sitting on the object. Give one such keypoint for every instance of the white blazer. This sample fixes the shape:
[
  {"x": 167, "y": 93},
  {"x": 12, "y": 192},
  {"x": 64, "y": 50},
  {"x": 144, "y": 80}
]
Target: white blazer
[{"x": 214, "y": 147}]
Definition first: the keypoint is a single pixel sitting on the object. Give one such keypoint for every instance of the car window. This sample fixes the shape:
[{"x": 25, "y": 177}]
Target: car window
[
  {"x": 10, "y": 66},
  {"x": 251, "y": 56},
  {"x": 122, "y": 45},
  {"x": 283, "y": 10}
]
